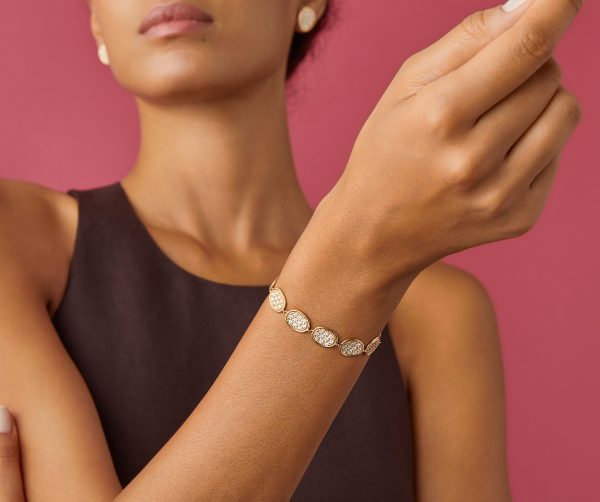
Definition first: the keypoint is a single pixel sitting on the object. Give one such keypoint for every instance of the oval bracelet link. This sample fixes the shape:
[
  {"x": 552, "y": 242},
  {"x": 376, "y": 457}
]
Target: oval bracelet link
[{"x": 299, "y": 321}]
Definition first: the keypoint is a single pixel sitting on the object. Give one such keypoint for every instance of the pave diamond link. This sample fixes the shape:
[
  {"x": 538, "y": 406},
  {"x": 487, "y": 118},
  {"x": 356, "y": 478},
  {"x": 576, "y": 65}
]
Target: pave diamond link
[
  {"x": 373, "y": 344},
  {"x": 351, "y": 347},
  {"x": 297, "y": 320},
  {"x": 325, "y": 337},
  {"x": 277, "y": 299}
]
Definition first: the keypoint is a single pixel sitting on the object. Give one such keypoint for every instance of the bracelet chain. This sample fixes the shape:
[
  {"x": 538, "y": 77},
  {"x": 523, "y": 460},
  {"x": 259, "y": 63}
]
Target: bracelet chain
[{"x": 325, "y": 337}]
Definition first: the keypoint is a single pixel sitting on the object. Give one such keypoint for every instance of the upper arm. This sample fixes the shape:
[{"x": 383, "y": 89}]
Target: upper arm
[
  {"x": 447, "y": 341},
  {"x": 63, "y": 450}
]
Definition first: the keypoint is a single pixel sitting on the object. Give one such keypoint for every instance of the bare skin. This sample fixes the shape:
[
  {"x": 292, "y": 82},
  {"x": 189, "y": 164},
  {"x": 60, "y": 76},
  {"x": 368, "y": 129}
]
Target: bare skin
[
  {"x": 444, "y": 312},
  {"x": 443, "y": 329}
]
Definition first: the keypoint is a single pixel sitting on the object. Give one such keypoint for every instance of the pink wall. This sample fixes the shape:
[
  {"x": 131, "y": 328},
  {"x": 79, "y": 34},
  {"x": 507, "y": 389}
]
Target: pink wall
[{"x": 65, "y": 122}]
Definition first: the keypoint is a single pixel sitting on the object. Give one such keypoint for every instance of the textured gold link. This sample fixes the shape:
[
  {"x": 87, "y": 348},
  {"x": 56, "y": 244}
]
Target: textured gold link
[{"x": 299, "y": 321}]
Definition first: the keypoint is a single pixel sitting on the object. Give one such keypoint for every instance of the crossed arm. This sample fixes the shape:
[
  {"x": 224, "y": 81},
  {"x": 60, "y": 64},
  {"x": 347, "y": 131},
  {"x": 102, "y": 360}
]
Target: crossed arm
[
  {"x": 445, "y": 338},
  {"x": 63, "y": 450}
]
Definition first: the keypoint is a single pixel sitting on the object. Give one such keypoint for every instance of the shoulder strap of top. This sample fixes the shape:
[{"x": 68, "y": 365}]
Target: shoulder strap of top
[
  {"x": 99, "y": 204},
  {"x": 103, "y": 249},
  {"x": 107, "y": 232}
]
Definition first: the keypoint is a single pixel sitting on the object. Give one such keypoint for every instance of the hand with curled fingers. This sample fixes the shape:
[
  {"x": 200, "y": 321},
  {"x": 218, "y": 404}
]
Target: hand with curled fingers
[{"x": 462, "y": 147}]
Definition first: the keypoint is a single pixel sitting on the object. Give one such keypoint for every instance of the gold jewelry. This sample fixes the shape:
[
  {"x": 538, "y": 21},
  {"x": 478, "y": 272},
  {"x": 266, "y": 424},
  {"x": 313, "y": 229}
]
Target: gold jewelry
[
  {"x": 103, "y": 54},
  {"x": 306, "y": 18},
  {"x": 299, "y": 322}
]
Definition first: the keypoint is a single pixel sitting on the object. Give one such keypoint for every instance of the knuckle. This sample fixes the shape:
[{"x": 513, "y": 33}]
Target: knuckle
[
  {"x": 521, "y": 227},
  {"x": 578, "y": 4},
  {"x": 439, "y": 113},
  {"x": 460, "y": 169},
  {"x": 474, "y": 25},
  {"x": 567, "y": 104},
  {"x": 552, "y": 70},
  {"x": 492, "y": 204},
  {"x": 570, "y": 106},
  {"x": 533, "y": 42},
  {"x": 435, "y": 118},
  {"x": 409, "y": 63}
]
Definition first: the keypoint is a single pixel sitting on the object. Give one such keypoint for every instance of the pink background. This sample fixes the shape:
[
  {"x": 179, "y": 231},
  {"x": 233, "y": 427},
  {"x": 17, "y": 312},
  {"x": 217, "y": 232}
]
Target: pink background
[{"x": 65, "y": 123}]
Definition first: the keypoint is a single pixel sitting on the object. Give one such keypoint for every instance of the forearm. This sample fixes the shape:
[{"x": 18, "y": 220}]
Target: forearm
[{"x": 254, "y": 433}]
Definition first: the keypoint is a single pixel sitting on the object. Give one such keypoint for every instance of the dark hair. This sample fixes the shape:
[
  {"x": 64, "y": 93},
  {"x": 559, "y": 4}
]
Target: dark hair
[{"x": 303, "y": 42}]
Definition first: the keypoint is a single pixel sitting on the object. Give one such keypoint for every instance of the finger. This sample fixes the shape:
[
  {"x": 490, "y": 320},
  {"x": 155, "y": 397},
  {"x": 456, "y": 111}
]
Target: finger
[
  {"x": 540, "y": 188},
  {"x": 542, "y": 142},
  {"x": 457, "y": 46},
  {"x": 506, "y": 122},
  {"x": 508, "y": 60},
  {"x": 11, "y": 482}
]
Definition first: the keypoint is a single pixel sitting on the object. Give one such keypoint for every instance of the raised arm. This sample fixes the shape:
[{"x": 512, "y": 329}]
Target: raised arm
[
  {"x": 467, "y": 159},
  {"x": 460, "y": 150}
]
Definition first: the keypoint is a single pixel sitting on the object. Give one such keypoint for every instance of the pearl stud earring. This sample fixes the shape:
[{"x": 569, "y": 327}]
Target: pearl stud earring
[
  {"x": 306, "y": 18},
  {"x": 103, "y": 54}
]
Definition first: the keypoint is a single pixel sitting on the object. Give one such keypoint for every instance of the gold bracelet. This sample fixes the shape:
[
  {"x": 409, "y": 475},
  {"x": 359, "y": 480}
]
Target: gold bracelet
[{"x": 299, "y": 322}]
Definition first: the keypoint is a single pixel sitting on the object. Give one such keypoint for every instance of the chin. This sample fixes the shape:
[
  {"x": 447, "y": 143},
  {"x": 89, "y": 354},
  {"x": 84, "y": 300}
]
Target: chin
[
  {"x": 176, "y": 81},
  {"x": 181, "y": 81}
]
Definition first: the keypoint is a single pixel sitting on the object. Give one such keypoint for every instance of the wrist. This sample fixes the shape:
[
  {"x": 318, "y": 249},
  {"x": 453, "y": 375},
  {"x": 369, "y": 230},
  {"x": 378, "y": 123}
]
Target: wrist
[
  {"x": 329, "y": 276},
  {"x": 365, "y": 239}
]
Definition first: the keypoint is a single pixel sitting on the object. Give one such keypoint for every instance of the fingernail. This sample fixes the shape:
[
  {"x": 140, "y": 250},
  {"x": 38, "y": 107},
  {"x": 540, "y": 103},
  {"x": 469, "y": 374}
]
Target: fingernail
[
  {"x": 512, "y": 5},
  {"x": 5, "y": 420}
]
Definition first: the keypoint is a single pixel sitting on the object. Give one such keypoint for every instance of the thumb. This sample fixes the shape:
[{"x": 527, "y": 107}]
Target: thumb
[
  {"x": 458, "y": 45},
  {"x": 11, "y": 481}
]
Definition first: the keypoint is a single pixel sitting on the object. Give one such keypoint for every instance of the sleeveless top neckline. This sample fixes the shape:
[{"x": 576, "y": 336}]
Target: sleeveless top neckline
[
  {"x": 149, "y": 339},
  {"x": 143, "y": 230}
]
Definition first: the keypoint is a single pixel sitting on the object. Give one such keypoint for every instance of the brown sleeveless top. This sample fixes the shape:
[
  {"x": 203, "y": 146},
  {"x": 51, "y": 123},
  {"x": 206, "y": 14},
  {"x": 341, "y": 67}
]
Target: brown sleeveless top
[{"x": 141, "y": 331}]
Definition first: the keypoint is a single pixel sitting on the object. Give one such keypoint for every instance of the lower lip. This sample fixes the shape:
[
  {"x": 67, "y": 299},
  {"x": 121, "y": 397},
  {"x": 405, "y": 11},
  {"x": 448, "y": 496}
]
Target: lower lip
[{"x": 175, "y": 28}]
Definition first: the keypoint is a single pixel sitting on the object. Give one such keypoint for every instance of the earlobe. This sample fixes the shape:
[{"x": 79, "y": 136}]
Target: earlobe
[
  {"x": 95, "y": 28},
  {"x": 307, "y": 18},
  {"x": 309, "y": 14},
  {"x": 102, "y": 52},
  {"x": 103, "y": 55}
]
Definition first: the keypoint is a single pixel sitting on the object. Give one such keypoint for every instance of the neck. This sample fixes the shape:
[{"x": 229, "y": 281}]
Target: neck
[{"x": 221, "y": 170}]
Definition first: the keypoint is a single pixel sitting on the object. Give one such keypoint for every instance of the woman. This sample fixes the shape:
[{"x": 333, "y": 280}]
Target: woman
[{"x": 143, "y": 342}]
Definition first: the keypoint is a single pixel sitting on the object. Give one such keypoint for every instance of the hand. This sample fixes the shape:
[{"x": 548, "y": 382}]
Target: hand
[
  {"x": 463, "y": 146},
  {"x": 11, "y": 481}
]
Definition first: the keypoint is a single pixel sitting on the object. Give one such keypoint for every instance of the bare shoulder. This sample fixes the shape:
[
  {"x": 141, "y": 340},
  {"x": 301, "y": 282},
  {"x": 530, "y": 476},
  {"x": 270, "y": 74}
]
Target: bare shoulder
[
  {"x": 441, "y": 312},
  {"x": 441, "y": 292},
  {"x": 38, "y": 227},
  {"x": 38, "y": 379},
  {"x": 445, "y": 336}
]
